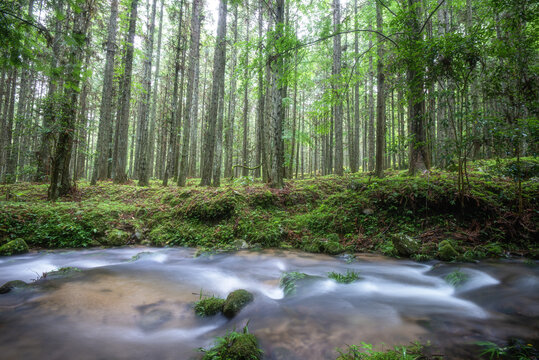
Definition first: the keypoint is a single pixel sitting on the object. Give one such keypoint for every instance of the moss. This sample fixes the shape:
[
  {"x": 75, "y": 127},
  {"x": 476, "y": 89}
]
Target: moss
[
  {"x": 235, "y": 346},
  {"x": 14, "y": 247},
  {"x": 10, "y": 285},
  {"x": 446, "y": 251},
  {"x": 236, "y": 301},
  {"x": 116, "y": 237},
  {"x": 209, "y": 306},
  {"x": 405, "y": 245},
  {"x": 63, "y": 272}
]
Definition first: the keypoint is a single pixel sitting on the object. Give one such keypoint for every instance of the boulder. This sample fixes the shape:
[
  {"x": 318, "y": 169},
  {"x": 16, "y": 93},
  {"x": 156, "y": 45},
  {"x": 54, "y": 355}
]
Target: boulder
[
  {"x": 405, "y": 245},
  {"x": 446, "y": 251},
  {"x": 209, "y": 306},
  {"x": 10, "y": 285},
  {"x": 236, "y": 301},
  {"x": 13, "y": 247}
]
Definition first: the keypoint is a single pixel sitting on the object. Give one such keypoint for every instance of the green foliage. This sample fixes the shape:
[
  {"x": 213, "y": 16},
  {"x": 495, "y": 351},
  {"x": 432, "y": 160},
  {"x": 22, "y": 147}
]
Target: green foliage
[
  {"x": 347, "y": 278},
  {"x": 288, "y": 281},
  {"x": 14, "y": 247},
  {"x": 365, "y": 351},
  {"x": 456, "y": 278},
  {"x": 515, "y": 349},
  {"x": 209, "y": 307},
  {"x": 234, "y": 346}
]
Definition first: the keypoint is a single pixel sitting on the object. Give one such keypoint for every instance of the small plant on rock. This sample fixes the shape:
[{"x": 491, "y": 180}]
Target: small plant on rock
[{"x": 347, "y": 278}]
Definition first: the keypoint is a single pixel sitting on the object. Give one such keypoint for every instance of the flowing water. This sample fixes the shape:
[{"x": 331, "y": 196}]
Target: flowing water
[{"x": 120, "y": 307}]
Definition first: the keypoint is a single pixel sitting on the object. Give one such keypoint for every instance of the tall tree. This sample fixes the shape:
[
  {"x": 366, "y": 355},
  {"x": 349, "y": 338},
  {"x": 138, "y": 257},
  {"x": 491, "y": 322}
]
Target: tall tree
[
  {"x": 144, "y": 110},
  {"x": 122, "y": 121},
  {"x": 192, "y": 86},
  {"x": 105, "y": 111},
  {"x": 219, "y": 61},
  {"x": 338, "y": 109},
  {"x": 380, "y": 97}
]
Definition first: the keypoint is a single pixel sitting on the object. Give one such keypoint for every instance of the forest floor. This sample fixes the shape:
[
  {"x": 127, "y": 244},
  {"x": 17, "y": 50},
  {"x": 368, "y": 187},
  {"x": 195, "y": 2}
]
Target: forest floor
[{"x": 420, "y": 217}]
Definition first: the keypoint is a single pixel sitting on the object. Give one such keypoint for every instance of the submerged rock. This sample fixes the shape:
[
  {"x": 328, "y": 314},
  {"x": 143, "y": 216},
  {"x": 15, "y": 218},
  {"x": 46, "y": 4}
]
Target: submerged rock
[
  {"x": 154, "y": 319},
  {"x": 405, "y": 245},
  {"x": 13, "y": 247},
  {"x": 10, "y": 285},
  {"x": 63, "y": 272},
  {"x": 236, "y": 301}
]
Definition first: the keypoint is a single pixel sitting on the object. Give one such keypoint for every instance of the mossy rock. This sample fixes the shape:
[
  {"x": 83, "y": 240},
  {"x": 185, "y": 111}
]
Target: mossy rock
[
  {"x": 405, "y": 245},
  {"x": 209, "y": 306},
  {"x": 446, "y": 251},
  {"x": 116, "y": 237},
  {"x": 14, "y": 247},
  {"x": 236, "y": 301},
  {"x": 235, "y": 346},
  {"x": 63, "y": 272},
  {"x": 10, "y": 285}
]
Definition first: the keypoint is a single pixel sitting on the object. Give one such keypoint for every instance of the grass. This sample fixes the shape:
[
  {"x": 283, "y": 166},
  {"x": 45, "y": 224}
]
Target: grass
[
  {"x": 365, "y": 352},
  {"x": 456, "y": 278},
  {"x": 330, "y": 214},
  {"x": 347, "y": 278}
]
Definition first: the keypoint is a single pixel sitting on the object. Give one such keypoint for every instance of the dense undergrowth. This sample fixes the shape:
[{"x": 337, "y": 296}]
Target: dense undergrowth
[{"x": 354, "y": 213}]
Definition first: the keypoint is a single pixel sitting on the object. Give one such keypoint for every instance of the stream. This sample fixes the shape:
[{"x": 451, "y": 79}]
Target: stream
[{"x": 123, "y": 306}]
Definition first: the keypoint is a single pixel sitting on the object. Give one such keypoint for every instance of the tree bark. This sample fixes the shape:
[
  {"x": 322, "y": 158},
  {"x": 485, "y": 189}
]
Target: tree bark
[
  {"x": 105, "y": 112},
  {"x": 338, "y": 109},
  {"x": 122, "y": 123},
  {"x": 192, "y": 86},
  {"x": 218, "y": 82},
  {"x": 380, "y": 98}
]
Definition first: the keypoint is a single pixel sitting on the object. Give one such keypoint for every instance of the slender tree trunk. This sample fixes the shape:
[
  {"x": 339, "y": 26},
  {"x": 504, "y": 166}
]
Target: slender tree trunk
[
  {"x": 419, "y": 159},
  {"x": 229, "y": 128},
  {"x": 105, "y": 112},
  {"x": 218, "y": 82},
  {"x": 60, "y": 176},
  {"x": 122, "y": 123},
  {"x": 153, "y": 111},
  {"x": 338, "y": 109},
  {"x": 277, "y": 94},
  {"x": 174, "y": 117},
  {"x": 371, "y": 111},
  {"x": 192, "y": 86},
  {"x": 380, "y": 98},
  {"x": 245, "y": 152},
  {"x": 144, "y": 109}
]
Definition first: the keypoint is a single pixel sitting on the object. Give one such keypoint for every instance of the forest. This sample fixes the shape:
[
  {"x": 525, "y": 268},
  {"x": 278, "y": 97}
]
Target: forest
[{"x": 204, "y": 175}]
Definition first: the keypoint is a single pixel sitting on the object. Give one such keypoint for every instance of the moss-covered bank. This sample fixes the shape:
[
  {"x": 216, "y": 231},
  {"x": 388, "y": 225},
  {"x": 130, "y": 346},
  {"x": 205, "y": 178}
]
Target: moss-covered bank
[{"x": 354, "y": 213}]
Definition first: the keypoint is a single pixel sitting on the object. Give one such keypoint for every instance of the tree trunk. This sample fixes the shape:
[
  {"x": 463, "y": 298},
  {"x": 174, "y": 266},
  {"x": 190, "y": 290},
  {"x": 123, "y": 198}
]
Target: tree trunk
[
  {"x": 277, "y": 95},
  {"x": 105, "y": 111},
  {"x": 122, "y": 123},
  {"x": 245, "y": 152},
  {"x": 380, "y": 98},
  {"x": 174, "y": 118},
  {"x": 144, "y": 109},
  {"x": 339, "y": 167},
  {"x": 153, "y": 111},
  {"x": 229, "y": 128},
  {"x": 218, "y": 82},
  {"x": 192, "y": 86}
]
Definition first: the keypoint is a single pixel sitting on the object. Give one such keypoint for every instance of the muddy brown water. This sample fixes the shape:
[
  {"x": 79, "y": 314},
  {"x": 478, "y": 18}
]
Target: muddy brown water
[{"x": 118, "y": 307}]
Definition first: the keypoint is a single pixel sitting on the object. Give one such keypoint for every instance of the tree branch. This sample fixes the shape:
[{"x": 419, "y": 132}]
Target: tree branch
[
  {"x": 432, "y": 13},
  {"x": 38, "y": 26}
]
